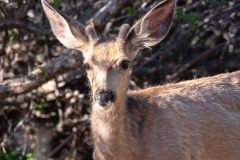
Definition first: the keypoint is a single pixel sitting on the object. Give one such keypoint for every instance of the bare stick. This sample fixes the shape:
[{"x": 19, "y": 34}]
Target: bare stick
[
  {"x": 12, "y": 23},
  {"x": 46, "y": 72},
  {"x": 110, "y": 9},
  {"x": 196, "y": 60}
]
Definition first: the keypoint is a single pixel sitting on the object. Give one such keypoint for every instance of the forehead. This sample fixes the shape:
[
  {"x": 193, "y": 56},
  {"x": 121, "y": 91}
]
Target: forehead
[{"x": 108, "y": 51}]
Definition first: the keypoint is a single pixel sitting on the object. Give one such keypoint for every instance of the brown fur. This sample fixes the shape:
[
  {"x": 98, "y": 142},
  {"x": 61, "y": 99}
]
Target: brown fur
[{"x": 191, "y": 120}]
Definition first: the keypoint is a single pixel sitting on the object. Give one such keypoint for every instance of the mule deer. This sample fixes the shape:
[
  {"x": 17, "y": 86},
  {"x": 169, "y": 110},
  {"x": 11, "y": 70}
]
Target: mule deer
[{"x": 191, "y": 120}]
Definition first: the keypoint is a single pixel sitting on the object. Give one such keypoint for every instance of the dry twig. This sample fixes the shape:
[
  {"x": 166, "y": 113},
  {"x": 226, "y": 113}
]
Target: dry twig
[
  {"x": 107, "y": 11},
  {"x": 46, "y": 72},
  {"x": 195, "y": 61}
]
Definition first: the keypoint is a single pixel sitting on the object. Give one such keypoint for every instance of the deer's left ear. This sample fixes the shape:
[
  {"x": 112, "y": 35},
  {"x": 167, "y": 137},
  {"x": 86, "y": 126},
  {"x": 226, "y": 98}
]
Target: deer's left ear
[
  {"x": 152, "y": 28},
  {"x": 68, "y": 31}
]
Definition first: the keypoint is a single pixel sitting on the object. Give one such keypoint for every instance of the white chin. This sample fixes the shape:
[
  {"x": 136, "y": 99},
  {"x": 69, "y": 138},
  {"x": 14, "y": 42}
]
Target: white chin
[{"x": 98, "y": 106}]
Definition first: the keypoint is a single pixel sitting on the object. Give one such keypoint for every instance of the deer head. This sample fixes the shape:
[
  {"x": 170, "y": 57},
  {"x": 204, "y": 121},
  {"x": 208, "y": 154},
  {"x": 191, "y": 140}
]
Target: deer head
[{"x": 108, "y": 63}]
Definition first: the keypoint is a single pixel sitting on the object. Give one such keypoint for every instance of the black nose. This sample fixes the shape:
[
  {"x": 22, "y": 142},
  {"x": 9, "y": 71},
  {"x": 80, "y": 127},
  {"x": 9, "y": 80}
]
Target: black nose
[{"x": 105, "y": 97}]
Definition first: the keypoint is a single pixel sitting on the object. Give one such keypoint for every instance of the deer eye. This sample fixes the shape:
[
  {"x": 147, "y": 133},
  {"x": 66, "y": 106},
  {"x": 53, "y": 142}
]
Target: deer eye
[
  {"x": 86, "y": 66},
  {"x": 124, "y": 64}
]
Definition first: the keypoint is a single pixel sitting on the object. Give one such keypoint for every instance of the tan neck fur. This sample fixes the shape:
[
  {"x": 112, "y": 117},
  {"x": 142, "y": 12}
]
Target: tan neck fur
[
  {"x": 198, "y": 118},
  {"x": 107, "y": 129}
]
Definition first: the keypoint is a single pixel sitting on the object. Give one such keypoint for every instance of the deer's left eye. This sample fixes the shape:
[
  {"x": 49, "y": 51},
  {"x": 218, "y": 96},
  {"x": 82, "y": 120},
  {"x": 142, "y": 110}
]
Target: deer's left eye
[{"x": 124, "y": 64}]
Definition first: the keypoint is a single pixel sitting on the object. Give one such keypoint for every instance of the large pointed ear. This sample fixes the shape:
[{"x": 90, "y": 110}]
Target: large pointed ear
[
  {"x": 68, "y": 31},
  {"x": 152, "y": 28}
]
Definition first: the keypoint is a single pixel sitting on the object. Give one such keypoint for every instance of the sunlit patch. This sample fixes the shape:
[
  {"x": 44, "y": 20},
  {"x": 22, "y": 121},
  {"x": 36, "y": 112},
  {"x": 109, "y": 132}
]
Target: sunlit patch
[
  {"x": 108, "y": 52},
  {"x": 104, "y": 131}
]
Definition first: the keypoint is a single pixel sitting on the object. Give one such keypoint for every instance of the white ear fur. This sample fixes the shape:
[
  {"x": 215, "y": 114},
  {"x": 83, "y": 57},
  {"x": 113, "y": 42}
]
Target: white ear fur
[
  {"x": 153, "y": 27},
  {"x": 68, "y": 31}
]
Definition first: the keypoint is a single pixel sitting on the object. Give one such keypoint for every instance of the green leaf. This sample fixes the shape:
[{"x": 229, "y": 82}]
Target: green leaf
[
  {"x": 180, "y": 12},
  {"x": 13, "y": 35},
  {"x": 56, "y": 4},
  {"x": 30, "y": 156},
  {"x": 40, "y": 106},
  {"x": 130, "y": 10},
  {"x": 191, "y": 19},
  {"x": 8, "y": 156}
]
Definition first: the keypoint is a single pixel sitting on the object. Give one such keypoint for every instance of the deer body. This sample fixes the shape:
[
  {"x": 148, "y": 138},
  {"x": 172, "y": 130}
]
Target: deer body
[{"x": 192, "y": 120}]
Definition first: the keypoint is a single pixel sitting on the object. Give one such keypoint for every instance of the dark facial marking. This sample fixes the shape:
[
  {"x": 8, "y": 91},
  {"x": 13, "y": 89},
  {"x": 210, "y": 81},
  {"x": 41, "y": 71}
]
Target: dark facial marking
[{"x": 124, "y": 64}]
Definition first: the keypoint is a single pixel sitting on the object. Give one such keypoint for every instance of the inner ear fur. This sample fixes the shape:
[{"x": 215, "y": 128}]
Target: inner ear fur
[
  {"x": 68, "y": 31},
  {"x": 151, "y": 28}
]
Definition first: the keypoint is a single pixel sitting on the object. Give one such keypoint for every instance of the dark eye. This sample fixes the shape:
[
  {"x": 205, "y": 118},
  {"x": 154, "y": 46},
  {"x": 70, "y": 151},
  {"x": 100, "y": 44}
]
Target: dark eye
[
  {"x": 124, "y": 64},
  {"x": 86, "y": 66}
]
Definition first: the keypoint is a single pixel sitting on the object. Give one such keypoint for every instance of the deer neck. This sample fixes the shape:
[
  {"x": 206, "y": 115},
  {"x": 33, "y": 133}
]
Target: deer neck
[{"x": 107, "y": 128}]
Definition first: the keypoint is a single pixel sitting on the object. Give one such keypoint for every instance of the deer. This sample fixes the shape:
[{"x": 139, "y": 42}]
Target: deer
[{"x": 191, "y": 120}]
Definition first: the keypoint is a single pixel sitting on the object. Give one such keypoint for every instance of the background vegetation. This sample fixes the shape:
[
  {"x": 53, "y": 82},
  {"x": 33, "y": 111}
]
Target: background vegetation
[{"x": 44, "y": 101}]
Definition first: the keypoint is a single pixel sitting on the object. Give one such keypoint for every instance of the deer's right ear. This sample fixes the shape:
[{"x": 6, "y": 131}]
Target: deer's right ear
[{"x": 68, "y": 31}]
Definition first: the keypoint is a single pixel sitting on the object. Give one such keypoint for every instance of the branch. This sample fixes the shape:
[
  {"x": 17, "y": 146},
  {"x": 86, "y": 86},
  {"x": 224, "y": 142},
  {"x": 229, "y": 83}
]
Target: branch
[
  {"x": 30, "y": 27},
  {"x": 82, "y": 125},
  {"x": 107, "y": 11},
  {"x": 15, "y": 102},
  {"x": 22, "y": 12},
  {"x": 46, "y": 72},
  {"x": 196, "y": 60}
]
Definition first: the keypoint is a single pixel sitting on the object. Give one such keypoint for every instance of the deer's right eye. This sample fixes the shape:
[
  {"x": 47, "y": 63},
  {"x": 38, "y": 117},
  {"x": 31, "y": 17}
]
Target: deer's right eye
[{"x": 86, "y": 66}]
